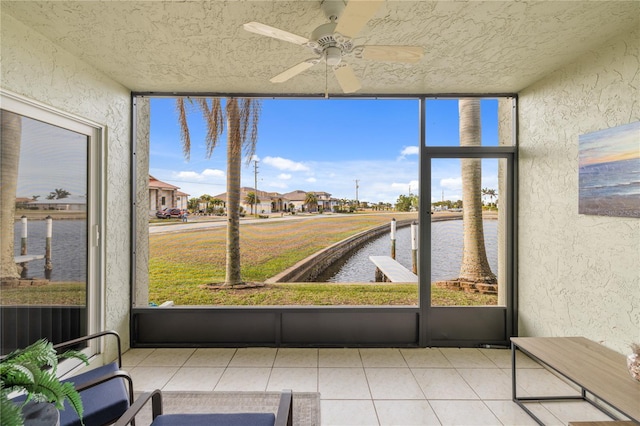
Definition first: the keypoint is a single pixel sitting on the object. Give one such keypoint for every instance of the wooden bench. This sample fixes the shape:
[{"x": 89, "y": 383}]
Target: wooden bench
[
  {"x": 392, "y": 270},
  {"x": 599, "y": 372}
]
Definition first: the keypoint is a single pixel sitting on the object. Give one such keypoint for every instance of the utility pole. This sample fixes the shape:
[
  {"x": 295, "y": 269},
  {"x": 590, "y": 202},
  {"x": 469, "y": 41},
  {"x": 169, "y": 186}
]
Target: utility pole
[
  {"x": 255, "y": 184},
  {"x": 357, "y": 202}
]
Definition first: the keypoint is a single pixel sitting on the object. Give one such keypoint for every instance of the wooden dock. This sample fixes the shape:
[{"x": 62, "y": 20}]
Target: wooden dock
[
  {"x": 28, "y": 258},
  {"x": 390, "y": 270}
]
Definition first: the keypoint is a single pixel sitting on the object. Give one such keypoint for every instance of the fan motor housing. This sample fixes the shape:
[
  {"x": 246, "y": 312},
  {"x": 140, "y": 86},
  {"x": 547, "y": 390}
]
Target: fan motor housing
[{"x": 325, "y": 36}]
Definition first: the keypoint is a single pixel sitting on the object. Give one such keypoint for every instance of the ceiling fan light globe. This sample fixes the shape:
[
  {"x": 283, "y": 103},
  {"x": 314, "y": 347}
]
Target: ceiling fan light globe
[{"x": 333, "y": 56}]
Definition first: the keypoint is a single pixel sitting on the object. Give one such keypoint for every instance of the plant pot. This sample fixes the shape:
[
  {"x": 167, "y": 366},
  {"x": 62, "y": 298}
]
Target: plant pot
[{"x": 40, "y": 414}]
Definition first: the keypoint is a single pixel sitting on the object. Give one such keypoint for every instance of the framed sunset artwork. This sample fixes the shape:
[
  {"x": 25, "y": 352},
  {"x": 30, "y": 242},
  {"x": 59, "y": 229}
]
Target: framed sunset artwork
[{"x": 609, "y": 172}]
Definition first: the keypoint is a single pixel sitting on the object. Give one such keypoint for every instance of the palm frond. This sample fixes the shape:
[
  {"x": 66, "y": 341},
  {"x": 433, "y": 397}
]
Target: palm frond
[
  {"x": 16, "y": 376},
  {"x": 10, "y": 413},
  {"x": 250, "y": 109},
  {"x": 215, "y": 122},
  {"x": 33, "y": 370},
  {"x": 74, "y": 398},
  {"x": 39, "y": 353},
  {"x": 184, "y": 128},
  {"x": 74, "y": 354}
]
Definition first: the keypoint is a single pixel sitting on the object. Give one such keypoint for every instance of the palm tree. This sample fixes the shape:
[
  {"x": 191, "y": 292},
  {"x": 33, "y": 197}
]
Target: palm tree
[
  {"x": 488, "y": 192},
  {"x": 58, "y": 194},
  {"x": 475, "y": 266},
  {"x": 216, "y": 202},
  {"x": 206, "y": 199},
  {"x": 311, "y": 200},
  {"x": 242, "y": 115},
  {"x": 193, "y": 204},
  {"x": 485, "y": 192},
  {"x": 252, "y": 199},
  {"x": 11, "y": 135}
]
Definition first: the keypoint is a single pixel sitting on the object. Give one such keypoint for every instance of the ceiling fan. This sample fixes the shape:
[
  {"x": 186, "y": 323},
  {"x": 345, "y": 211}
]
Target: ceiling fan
[{"x": 333, "y": 42}]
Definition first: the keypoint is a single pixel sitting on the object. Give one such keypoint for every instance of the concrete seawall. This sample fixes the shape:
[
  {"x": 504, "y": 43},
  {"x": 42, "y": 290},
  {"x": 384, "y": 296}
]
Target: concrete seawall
[{"x": 307, "y": 270}]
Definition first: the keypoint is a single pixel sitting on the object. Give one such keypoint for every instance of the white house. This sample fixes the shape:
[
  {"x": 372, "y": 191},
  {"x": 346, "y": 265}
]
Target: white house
[{"x": 164, "y": 195}]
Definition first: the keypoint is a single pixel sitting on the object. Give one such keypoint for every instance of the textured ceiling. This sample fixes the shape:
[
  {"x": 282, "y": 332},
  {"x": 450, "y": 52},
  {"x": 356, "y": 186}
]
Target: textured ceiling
[{"x": 195, "y": 46}]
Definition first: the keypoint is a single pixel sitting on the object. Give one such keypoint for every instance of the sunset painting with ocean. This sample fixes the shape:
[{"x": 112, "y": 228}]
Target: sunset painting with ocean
[{"x": 609, "y": 172}]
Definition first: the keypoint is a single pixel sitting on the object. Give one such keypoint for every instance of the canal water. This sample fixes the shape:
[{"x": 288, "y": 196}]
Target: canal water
[
  {"x": 68, "y": 248},
  {"x": 446, "y": 253},
  {"x": 70, "y": 239}
]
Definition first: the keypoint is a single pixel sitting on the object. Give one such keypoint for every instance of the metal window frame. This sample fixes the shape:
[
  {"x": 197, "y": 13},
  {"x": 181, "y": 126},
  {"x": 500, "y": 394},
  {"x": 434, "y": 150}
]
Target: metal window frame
[
  {"x": 96, "y": 198},
  {"x": 338, "y": 326}
]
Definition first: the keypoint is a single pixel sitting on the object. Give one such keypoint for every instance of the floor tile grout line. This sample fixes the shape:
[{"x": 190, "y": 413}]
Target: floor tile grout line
[{"x": 506, "y": 371}]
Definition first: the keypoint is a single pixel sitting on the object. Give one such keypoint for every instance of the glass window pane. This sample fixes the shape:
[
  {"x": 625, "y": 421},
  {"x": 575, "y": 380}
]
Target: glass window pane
[
  {"x": 467, "y": 245},
  {"x": 442, "y": 122},
  {"x": 323, "y": 172},
  {"x": 45, "y": 175}
]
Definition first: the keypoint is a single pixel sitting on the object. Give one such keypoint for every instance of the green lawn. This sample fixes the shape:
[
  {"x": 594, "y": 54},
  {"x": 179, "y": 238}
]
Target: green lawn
[
  {"x": 56, "y": 293},
  {"x": 182, "y": 265}
]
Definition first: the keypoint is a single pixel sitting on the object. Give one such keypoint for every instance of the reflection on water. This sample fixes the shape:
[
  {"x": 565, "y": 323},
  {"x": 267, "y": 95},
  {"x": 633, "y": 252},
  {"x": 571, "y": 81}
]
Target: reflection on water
[
  {"x": 68, "y": 248},
  {"x": 446, "y": 253}
]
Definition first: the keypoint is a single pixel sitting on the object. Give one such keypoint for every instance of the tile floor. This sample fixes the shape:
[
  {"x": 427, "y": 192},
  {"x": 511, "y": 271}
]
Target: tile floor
[{"x": 423, "y": 386}]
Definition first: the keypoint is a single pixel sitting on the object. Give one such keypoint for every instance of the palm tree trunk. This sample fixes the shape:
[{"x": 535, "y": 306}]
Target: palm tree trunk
[
  {"x": 475, "y": 266},
  {"x": 11, "y": 134},
  {"x": 234, "y": 159}
]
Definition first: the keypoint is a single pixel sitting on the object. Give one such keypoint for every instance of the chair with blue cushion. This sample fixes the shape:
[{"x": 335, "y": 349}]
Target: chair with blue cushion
[
  {"x": 104, "y": 393},
  {"x": 284, "y": 416}
]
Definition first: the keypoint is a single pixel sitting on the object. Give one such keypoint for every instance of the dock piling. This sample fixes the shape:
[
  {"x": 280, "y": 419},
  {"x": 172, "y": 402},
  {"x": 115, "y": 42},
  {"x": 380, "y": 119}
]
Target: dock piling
[
  {"x": 48, "y": 265},
  {"x": 393, "y": 238},
  {"x": 23, "y": 246},
  {"x": 414, "y": 247}
]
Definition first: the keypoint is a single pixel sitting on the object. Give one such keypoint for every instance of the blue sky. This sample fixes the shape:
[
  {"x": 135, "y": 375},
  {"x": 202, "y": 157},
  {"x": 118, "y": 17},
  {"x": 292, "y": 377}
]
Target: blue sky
[
  {"x": 51, "y": 157},
  {"x": 323, "y": 145}
]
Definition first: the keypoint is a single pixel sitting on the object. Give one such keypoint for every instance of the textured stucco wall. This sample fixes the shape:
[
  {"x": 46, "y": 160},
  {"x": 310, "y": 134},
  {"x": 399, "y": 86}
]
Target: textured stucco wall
[
  {"x": 39, "y": 70},
  {"x": 143, "y": 118},
  {"x": 578, "y": 274}
]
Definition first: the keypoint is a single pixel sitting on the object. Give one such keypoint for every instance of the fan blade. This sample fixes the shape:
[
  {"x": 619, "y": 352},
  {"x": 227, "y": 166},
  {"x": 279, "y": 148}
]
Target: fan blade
[
  {"x": 266, "y": 30},
  {"x": 409, "y": 54},
  {"x": 347, "y": 78},
  {"x": 355, "y": 16},
  {"x": 294, "y": 70}
]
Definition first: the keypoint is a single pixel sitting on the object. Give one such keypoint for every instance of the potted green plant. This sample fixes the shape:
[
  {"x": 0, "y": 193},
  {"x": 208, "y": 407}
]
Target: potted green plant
[{"x": 32, "y": 370}]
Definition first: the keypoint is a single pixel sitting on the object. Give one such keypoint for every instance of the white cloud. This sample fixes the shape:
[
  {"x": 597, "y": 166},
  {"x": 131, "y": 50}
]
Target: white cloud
[
  {"x": 278, "y": 185},
  {"x": 412, "y": 186},
  {"x": 451, "y": 183},
  {"x": 188, "y": 175},
  {"x": 213, "y": 173},
  {"x": 409, "y": 150},
  {"x": 400, "y": 186},
  {"x": 311, "y": 180},
  {"x": 285, "y": 164},
  {"x": 284, "y": 176}
]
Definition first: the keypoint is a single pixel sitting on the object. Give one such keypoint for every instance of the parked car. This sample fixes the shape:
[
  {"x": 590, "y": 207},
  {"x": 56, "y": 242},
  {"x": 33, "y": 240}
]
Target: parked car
[{"x": 168, "y": 213}]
